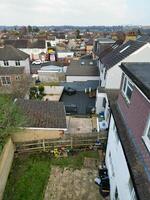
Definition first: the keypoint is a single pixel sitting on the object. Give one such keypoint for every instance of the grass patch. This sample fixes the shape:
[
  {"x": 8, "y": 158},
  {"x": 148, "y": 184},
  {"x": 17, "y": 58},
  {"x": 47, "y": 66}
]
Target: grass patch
[
  {"x": 29, "y": 175},
  {"x": 76, "y": 161},
  {"x": 28, "y": 178}
]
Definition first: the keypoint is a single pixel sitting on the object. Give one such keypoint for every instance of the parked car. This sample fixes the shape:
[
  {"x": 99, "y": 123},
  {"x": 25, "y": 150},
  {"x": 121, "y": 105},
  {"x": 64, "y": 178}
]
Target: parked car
[
  {"x": 36, "y": 62},
  {"x": 70, "y": 91}
]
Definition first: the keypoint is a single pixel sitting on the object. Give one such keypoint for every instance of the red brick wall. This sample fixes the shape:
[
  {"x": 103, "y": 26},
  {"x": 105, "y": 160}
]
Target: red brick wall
[{"x": 136, "y": 115}]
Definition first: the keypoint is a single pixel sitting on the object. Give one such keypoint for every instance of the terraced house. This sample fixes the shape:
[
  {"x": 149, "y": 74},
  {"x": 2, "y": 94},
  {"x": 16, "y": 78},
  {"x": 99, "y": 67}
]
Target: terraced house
[
  {"x": 128, "y": 147},
  {"x": 111, "y": 58}
]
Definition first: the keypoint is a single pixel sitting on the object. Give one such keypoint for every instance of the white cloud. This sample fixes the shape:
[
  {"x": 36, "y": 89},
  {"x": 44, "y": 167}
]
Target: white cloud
[{"x": 60, "y": 12}]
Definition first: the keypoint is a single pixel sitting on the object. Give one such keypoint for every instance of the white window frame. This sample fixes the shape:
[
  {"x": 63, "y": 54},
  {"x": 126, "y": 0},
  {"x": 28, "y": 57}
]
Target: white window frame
[
  {"x": 145, "y": 137},
  {"x": 17, "y": 78},
  {"x": 17, "y": 62},
  {"x": 125, "y": 87},
  {"x": 6, "y": 63},
  {"x": 5, "y": 80}
]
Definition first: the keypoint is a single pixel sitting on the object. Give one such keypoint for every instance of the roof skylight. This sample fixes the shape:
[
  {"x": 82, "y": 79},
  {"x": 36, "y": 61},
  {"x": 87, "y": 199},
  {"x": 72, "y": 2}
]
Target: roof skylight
[{"x": 124, "y": 49}]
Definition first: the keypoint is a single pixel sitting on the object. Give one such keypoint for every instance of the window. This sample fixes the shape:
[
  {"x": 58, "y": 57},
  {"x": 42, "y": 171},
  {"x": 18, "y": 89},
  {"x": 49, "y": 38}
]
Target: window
[
  {"x": 146, "y": 136},
  {"x": 124, "y": 48},
  {"x": 18, "y": 63},
  {"x": 104, "y": 102},
  {"x": 111, "y": 165},
  {"x": 116, "y": 194},
  {"x": 17, "y": 78},
  {"x": 127, "y": 89},
  {"x": 5, "y": 80},
  {"x": 6, "y": 63}
]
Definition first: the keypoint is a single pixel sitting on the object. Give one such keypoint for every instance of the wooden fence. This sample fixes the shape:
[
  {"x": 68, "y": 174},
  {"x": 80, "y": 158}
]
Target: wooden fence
[{"x": 70, "y": 140}]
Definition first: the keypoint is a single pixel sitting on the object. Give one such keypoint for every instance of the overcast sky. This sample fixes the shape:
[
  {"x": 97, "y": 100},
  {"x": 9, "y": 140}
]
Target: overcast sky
[{"x": 74, "y": 12}]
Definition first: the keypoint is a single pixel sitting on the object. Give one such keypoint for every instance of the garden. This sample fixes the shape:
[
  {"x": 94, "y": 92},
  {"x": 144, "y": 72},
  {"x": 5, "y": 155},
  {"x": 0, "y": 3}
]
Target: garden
[{"x": 30, "y": 173}]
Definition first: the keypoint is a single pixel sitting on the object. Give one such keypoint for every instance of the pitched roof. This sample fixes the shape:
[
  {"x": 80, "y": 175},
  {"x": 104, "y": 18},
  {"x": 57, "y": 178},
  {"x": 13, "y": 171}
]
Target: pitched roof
[
  {"x": 76, "y": 69},
  {"x": 136, "y": 168},
  {"x": 9, "y": 52},
  {"x": 109, "y": 49},
  {"x": 11, "y": 70},
  {"x": 139, "y": 74},
  {"x": 21, "y": 43},
  {"x": 121, "y": 52},
  {"x": 24, "y": 43},
  {"x": 144, "y": 38},
  {"x": 43, "y": 114}
]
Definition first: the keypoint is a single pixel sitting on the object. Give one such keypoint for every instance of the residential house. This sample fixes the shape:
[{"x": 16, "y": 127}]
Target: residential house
[
  {"x": 35, "y": 48},
  {"x": 100, "y": 44},
  {"x": 43, "y": 120},
  {"x": 128, "y": 147},
  {"x": 89, "y": 46},
  {"x": 12, "y": 57},
  {"x": 61, "y": 55},
  {"x": 10, "y": 78},
  {"x": 131, "y": 51}
]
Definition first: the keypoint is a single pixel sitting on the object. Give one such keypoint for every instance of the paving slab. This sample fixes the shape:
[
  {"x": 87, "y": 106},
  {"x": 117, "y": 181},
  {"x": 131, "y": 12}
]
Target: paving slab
[{"x": 69, "y": 184}]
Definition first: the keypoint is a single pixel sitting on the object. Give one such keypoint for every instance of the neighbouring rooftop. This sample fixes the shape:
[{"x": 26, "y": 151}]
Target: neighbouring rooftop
[
  {"x": 43, "y": 114},
  {"x": 9, "y": 52},
  {"x": 121, "y": 52},
  {"x": 77, "y": 69},
  {"x": 11, "y": 70},
  {"x": 139, "y": 73}
]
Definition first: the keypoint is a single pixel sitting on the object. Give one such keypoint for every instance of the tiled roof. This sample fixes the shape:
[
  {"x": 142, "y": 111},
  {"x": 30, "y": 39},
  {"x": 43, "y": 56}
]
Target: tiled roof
[
  {"x": 109, "y": 49},
  {"x": 76, "y": 69},
  {"x": 121, "y": 52},
  {"x": 139, "y": 74},
  {"x": 136, "y": 168},
  {"x": 43, "y": 114},
  {"x": 11, "y": 70},
  {"x": 144, "y": 38},
  {"x": 22, "y": 43},
  {"x": 9, "y": 52}
]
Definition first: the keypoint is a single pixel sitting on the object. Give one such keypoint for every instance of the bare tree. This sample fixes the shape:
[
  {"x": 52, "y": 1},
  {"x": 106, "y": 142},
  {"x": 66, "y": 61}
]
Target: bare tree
[{"x": 20, "y": 88}]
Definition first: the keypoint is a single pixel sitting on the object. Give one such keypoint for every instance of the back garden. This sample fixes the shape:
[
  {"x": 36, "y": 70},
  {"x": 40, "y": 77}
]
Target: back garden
[{"x": 30, "y": 173}]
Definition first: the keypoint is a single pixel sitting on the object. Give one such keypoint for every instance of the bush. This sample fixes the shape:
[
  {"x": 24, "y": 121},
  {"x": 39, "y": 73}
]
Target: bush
[
  {"x": 41, "y": 89},
  {"x": 33, "y": 92},
  {"x": 10, "y": 119}
]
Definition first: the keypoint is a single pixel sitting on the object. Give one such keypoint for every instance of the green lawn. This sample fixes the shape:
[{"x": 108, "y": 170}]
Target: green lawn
[{"x": 29, "y": 174}]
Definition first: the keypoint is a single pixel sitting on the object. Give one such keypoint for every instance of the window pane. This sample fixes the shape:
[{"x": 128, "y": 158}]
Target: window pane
[
  {"x": 124, "y": 84},
  {"x": 104, "y": 102},
  {"x": 3, "y": 80},
  {"x": 8, "y": 80},
  {"x": 129, "y": 93}
]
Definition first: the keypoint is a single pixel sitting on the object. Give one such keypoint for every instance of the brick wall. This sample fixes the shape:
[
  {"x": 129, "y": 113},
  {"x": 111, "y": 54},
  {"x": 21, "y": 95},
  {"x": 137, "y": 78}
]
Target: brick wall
[{"x": 136, "y": 116}]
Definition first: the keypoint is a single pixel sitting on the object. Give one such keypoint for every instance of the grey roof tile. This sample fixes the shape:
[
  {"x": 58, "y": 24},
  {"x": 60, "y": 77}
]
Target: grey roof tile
[
  {"x": 9, "y": 52},
  {"x": 43, "y": 114}
]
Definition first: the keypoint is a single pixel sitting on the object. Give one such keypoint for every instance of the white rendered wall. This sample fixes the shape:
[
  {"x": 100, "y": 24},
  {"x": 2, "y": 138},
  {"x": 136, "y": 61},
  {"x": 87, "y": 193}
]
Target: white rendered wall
[
  {"x": 33, "y": 52},
  {"x": 23, "y": 63},
  {"x": 113, "y": 77},
  {"x": 81, "y": 78},
  {"x": 65, "y": 54},
  {"x": 117, "y": 166}
]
